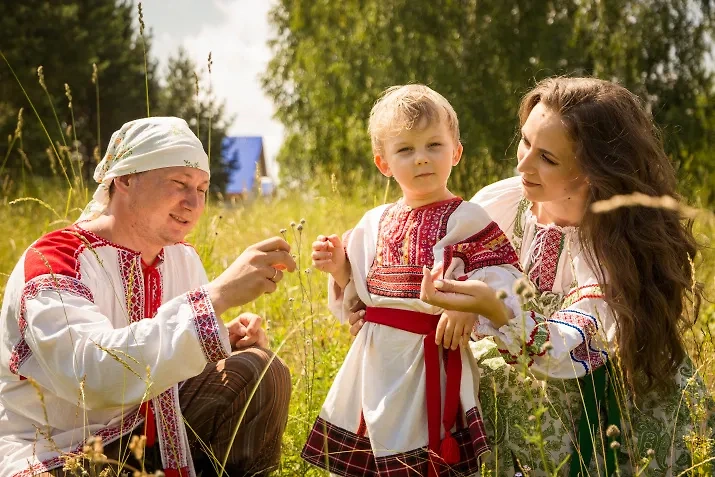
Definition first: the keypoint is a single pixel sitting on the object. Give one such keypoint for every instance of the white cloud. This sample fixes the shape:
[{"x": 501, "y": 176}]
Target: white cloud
[{"x": 238, "y": 46}]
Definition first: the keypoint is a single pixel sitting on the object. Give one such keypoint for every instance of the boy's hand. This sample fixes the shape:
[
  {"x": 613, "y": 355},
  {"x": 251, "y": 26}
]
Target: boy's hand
[
  {"x": 329, "y": 256},
  {"x": 455, "y": 327}
]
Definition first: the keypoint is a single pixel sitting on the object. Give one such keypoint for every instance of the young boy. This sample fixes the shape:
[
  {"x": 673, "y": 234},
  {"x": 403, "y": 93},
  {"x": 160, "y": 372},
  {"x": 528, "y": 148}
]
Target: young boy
[{"x": 385, "y": 413}]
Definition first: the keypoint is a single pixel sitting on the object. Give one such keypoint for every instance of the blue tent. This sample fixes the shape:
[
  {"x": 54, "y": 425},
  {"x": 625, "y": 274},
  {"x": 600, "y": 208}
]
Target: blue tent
[{"x": 247, "y": 151}]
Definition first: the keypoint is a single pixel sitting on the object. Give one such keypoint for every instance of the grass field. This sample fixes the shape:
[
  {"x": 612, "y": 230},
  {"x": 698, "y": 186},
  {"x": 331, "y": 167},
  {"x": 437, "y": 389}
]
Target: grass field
[{"x": 309, "y": 339}]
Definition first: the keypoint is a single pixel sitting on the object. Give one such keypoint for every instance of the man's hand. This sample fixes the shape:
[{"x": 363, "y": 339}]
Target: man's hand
[
  {"x": 245, "y": 331},
  {"x": 329, "y": 256},
  {"x": 255, "y": 272},
  {"x": 455, "y": 327}
]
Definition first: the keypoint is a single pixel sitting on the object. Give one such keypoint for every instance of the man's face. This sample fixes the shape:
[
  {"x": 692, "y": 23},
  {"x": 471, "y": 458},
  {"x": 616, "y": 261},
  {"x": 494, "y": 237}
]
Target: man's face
[{"x": 167, "y": 203}]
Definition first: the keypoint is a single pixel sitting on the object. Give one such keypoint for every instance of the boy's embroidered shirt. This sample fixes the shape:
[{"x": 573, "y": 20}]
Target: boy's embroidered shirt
[
  {"x": 567, "y": 329},
  {"x": 406, "y": 241},
  {"x": 390, "y": 245},
  {"x": 73, "y": 319}
]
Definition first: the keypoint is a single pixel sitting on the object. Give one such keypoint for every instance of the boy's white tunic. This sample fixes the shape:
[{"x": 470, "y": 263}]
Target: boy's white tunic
[
  {"x": 375, "y": 415},
  {"x": 72, "y": 302}
]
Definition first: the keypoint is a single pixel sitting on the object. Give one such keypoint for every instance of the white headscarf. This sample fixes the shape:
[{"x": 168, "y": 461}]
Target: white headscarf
[{"x": 143, "y": 145}]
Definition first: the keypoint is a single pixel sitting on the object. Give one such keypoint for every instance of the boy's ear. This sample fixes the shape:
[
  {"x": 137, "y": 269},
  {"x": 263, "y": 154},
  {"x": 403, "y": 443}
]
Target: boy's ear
[
  {"x": 458, "y": 154},
  {"x": 382, "y": 165}
]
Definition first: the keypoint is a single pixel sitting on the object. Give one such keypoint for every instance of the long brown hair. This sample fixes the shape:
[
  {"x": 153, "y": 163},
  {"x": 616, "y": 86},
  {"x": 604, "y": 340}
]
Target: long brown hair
[{"x": 642, "y": 256}]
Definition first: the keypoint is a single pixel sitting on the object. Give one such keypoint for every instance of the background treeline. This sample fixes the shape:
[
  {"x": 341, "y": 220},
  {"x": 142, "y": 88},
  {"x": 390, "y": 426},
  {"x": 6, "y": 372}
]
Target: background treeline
[
  {"x": 332, "y": 59},
  {"x": 66, "y": 38}
]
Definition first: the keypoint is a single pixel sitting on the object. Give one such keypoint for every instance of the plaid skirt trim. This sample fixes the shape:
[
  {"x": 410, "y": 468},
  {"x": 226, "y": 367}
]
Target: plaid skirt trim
[{"x": 348, "y": 454}]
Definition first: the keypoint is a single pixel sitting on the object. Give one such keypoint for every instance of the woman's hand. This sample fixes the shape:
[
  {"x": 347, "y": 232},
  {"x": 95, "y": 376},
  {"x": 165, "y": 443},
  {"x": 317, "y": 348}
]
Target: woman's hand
[
  {"x": 471, "y": 296},
  {"x": 356, "y": 318}
]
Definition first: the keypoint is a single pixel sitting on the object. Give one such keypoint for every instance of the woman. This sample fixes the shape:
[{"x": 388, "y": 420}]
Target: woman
[{"x": 606, "y": 300}]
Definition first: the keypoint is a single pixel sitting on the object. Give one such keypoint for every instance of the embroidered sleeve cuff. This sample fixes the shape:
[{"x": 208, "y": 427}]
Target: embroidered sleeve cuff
[{"x": 211, "y": 332}]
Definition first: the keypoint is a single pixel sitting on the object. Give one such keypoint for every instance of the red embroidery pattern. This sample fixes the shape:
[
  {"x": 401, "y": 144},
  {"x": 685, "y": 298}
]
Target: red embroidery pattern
[
  {"x": 108, "y": 434},
  {"x": 544, "y": 274},
  {"x": 587, "y": 326},
  {"x": 206, "y": 325},
  {"x": 487, "y": 248},
  {"x": 130, "y": 268},
  {"x": 405, "y": 241},
  {"x": 58, "y": 283},
  {"x": 538, "y": 337},
  {"x": 173, "y": 452}
]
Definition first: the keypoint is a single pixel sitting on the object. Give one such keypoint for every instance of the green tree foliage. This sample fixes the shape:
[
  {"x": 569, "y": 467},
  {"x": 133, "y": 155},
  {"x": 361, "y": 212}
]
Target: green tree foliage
[
  {"x": 187, "y": 96},
  {"x": 332, "y": 60},
  {"x": 66, "y": 37}
]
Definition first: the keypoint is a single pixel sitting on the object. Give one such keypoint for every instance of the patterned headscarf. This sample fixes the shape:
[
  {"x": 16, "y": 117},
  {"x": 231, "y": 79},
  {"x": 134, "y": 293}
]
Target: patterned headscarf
[{"x": 144, "y": 145}]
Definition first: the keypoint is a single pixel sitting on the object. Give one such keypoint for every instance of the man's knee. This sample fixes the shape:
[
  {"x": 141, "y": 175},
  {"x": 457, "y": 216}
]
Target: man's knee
[{"x": 259, "y": 365}]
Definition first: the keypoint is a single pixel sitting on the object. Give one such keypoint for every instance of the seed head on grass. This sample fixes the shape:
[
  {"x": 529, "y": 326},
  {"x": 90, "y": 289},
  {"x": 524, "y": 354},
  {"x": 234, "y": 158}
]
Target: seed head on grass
[
  {"x": 68, "y": 93},
  {"x": 41, "y": 77},
  {"x": 141, "y": 19},
  {"x": 20, "y": 123}
]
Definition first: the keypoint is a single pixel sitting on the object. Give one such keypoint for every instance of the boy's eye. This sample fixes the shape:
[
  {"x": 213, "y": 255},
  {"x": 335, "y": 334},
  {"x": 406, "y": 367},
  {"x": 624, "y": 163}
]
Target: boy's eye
[
  {"x": 404, "y": 149},
  {"x": 180, "y": 183},
  {"x": 525, "y": 141},
  {"x": 435, "y": 144}
]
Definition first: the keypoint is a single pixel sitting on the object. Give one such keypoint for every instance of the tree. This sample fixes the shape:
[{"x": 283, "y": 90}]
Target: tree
[
  {"x": 183, "y": 97},
  {"x": 332, "y": 60},
  {"x": 67, "y": 37}
]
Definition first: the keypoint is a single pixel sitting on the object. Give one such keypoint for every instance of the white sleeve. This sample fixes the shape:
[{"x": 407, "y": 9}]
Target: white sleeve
[
  {"x": 73, "y": 346},
  {"x": 567, "y": 343},
  {"x": 360, "y": 244}
]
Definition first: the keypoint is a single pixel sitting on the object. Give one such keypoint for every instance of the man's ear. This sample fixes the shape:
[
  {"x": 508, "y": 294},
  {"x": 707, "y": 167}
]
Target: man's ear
[
  {"x": 121, "y": 183},
  {"x": 458, "y": 154},
  {"x": 382, "y": 165}
]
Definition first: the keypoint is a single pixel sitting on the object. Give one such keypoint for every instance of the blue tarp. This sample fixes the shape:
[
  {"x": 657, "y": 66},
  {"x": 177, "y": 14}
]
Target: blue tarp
[{"x": 246, "y": 151}]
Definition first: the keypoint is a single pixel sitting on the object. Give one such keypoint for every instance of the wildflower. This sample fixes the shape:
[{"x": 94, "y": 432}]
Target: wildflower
[
  {"x": 302, "y": 221},
  {"x": 650, "y": 453},
  {"x": 300, "y": 227},
  {"x": 532, "y": 418},
  {"x": 292, "y": 225},
  {"x": 137, "y": 445},
  {"x": 501, "y": 294},
  {"x": 524, "y": 288},
  {"x": 307, "y": 271},
  {"x": 283, "y": 231},
  {"x": 547, "y": 346},
  {"x": 94, "y": 73},
  {"x": 615, "y": 445},
  {"x": 613, "y": 431}
]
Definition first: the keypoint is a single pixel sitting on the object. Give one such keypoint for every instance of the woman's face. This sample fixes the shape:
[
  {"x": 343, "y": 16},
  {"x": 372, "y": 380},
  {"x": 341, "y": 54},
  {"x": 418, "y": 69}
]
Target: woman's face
[{"x": 547, "y": 160}]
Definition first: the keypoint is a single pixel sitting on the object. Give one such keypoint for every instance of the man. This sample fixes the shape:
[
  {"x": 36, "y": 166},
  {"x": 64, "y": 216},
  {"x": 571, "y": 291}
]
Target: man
[{"x": 111, "y": 329}]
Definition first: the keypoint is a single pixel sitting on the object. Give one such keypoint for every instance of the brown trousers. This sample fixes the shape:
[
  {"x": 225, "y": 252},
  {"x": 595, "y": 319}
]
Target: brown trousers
[{"x": 212, "y": 404}]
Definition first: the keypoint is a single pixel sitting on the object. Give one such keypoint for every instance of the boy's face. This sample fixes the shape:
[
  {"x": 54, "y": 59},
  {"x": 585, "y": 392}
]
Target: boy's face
[{"x": 421, "y": 159}]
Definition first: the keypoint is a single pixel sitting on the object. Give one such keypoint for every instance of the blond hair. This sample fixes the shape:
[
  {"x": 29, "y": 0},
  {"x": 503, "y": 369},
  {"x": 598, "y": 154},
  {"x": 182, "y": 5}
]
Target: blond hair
[{"x": 406, "y": 106}]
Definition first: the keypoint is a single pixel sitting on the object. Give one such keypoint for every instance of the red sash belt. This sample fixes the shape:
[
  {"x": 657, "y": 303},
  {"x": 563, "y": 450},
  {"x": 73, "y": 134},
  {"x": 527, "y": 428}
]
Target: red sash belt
[{"x": 426, "y": 324}]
